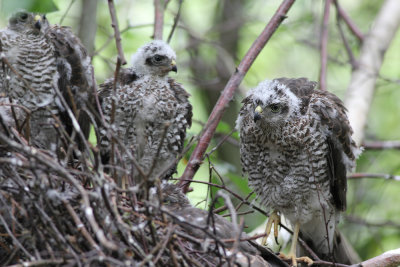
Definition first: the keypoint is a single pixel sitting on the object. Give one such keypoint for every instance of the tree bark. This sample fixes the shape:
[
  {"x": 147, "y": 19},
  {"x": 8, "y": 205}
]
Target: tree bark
[
  {"x": 362, "y": 85},
  {"x": 88, "y": 24}
]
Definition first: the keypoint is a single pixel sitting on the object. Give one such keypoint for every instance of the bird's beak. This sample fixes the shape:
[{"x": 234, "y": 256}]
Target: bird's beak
[
  {"x": 38, "y": 22},
  {"x": 173, "y": 66},
  {"x": 257, "y": 113}
]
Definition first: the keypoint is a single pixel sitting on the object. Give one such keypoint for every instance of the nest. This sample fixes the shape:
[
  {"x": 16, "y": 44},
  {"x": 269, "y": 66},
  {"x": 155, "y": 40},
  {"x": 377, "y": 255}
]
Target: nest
[{"x": 70, "y": 212}]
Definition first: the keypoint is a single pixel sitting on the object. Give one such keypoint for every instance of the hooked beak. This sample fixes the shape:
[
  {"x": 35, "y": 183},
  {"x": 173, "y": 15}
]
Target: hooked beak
[
  {"x": 257, "y": 113},
  {"x": 38, "y": 22},
  {"x": 173, "y": 66}
]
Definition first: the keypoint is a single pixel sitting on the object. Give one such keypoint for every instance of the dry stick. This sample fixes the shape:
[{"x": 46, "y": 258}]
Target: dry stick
[
  {"x": 52, "y": 164},
  {"x": 381, "y": 145},
  {"x": 227, "y": 94},
  {"x": 352, "y": 27},
  {"x": 374, "y": 175},
  {"x": 176, "y": 19},
  {"x": 158, "y": 20},
  {"x": 117, "y": 34},
  {"x": 323, "y": 41},
  {"x": 344, "y": 39}
]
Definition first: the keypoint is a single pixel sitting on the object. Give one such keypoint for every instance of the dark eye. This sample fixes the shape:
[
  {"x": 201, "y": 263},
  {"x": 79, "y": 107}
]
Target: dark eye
[
  {"x": 158, "y": 58},
  {"x": 275, "y": 108},
  {"x": 23, "y": 16}
]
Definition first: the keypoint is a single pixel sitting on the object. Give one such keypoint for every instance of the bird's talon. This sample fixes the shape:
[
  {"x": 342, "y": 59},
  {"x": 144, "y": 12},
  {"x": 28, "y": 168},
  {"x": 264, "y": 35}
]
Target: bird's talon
[{"x": 292, "y": 257}]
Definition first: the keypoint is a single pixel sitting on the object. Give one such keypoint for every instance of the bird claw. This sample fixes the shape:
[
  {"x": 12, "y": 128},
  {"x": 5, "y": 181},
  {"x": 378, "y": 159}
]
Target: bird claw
[
  {"x": 274, "y": 219},
  {"x": 292, "y": 257}
]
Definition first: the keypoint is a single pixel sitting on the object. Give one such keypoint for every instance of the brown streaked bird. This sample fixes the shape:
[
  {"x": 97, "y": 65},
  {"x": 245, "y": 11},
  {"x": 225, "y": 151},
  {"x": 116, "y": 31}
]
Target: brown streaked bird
[
  {"x": 152, "y": 113},
  {"x": 296, "y": 147},
  {"x": 43, "y": 58}
]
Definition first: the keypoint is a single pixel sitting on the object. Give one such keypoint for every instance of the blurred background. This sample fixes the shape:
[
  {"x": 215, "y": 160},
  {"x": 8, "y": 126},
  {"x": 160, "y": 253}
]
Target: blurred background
[{"x": 210, "y": 40}]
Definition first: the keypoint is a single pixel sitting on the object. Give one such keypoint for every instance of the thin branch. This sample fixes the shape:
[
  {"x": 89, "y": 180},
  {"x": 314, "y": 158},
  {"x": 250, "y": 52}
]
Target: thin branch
[
  {"x": 324, "y": 45},
  {"x": 374, "y": 175},
  {"x": 227, "y": 94},
  {"x": 350, "y": 24},
  {"x": 361, "y": 221},
  {"x": 352, "y": 60},
  {"x": 117, "y": 34},
  {"x": 176, "y": 19},
  {"x": 374, "y": 145}
]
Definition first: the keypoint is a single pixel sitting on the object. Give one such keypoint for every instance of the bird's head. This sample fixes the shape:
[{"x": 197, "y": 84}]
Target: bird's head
[
  {"x": 273, "y": 104},
  {"x": 155, "y": 58},
  {"x": 26, "y": 22}
]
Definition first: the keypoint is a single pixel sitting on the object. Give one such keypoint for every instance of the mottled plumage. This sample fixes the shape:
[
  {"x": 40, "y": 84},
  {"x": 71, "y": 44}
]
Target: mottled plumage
[
  {"x": 43, "y": 58},
  {"x": 296, "y": 148},
  {"x": 152, "y": 112}
]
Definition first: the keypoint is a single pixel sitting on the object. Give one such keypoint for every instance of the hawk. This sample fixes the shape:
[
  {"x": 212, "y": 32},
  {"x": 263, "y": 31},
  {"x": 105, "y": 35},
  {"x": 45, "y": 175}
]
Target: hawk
[
  {"x": 151, "y": 113},
  {"x": 39, "y": 59},
  {"x": 296, "y": 147}
]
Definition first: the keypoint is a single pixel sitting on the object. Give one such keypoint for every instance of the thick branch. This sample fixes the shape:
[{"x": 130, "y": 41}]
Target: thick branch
[
  {"x": 158, "y": 19},
  {"x": 227, "y": 94},
  {"x": 387, "y": 259},
  {"x": 361, "y": 89},
  {"x": 88, "y": 24}
]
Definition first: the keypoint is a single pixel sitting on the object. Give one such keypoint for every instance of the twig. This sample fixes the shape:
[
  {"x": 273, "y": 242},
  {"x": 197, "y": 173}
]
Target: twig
[
  {"x": 361, "y": 221},
  {"x": 352, "y": 60},
  {"x": 381, "y": 145},
  {"x": 350, "y": 24},
  {"x": 117, "y": 34},
  {"x": 227, "y": 94},
  {"x": 176, "y": 19},
  {"x": 324, "y": 45},
  {"x": 374, "y": 175}
]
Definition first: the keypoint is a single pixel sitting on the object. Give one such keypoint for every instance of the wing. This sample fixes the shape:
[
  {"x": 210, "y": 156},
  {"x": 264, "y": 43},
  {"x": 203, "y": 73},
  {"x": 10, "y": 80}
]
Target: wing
[
  {"x": 183, "y": 119},
  {"x": 76, "y": 81},
  {"x": 342, "y": 148},
  {"x": 126, "y": 77}
]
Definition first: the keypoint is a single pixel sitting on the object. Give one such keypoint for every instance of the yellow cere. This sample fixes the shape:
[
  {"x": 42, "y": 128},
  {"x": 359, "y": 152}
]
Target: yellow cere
[
  {"x": 37, "y": 18},
  {"x": 258, "y": 109}
]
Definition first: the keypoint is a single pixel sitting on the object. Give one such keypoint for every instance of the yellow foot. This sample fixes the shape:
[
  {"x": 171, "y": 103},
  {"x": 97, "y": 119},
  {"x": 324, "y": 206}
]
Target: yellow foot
[
  {"x": 274, "y": 219},
  {"x": 292, "y": 257}
]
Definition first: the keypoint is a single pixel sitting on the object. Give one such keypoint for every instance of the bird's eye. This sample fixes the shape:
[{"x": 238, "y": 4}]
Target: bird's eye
[
  {"x": 158, "y": 58},
  {"x": 275, "y": 108},
  {"x": 23, "y": 16}
]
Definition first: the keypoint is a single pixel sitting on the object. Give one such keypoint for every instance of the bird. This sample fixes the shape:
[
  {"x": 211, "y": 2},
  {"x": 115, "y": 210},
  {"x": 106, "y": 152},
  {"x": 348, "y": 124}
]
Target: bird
[
  {"x": 148, "y": 114},
  {"x": 45, "y": 71},
  {"x": 296, "y": 147}
]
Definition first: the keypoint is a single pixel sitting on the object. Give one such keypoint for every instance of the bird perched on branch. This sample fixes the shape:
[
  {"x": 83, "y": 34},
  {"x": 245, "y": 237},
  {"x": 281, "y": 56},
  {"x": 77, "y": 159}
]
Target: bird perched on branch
[
  {"x": 296, "y": 147},
  {"x": 43, "y": 65},
  {"x": 147, "y": 115}
]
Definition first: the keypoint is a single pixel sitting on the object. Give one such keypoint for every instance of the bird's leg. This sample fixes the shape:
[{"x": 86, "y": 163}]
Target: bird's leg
[
  {"x": 292, "y": 254},
  {"x": 274, "y": 219}
]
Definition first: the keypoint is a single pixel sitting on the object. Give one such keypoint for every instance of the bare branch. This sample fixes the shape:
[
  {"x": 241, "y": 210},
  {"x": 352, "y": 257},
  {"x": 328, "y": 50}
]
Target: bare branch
[
  {"x": 350, "y": 24},
  {"x": 227, "y": 94},
  {"x": 374, "y": 175},
  {"x": 324, "y": 45},
  {"x": 387, "y": 259},
  {"x": 117, "y": 34}
]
